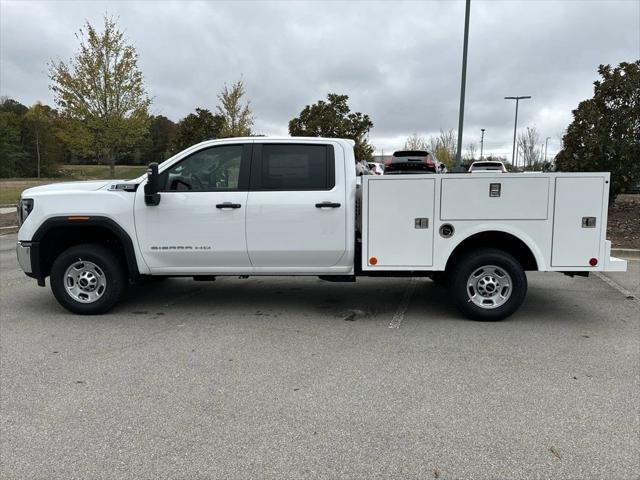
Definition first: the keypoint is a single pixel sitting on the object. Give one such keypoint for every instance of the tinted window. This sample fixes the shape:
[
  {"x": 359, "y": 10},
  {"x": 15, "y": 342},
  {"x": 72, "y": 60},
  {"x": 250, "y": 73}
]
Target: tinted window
[
  {"x": 215, "y": 168},
  {"x": 295, "y": 167}
]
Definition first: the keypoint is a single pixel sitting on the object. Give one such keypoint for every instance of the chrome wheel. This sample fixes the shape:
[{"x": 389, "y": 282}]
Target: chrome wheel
[
  {"x": 85, "y": 281},
  {"x": 489, "y": 287}
]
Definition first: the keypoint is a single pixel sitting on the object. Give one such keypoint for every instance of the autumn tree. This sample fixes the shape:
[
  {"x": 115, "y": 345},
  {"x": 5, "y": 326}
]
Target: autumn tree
[
  {"x": 445, "y": 146},
  {"x": 415, "y": 142},
  {"x": 605, "y": 132},
  {"x": 101, "y": 94},
  {"x": 236, "y": 115},
  {"x": 334, "y": 118}
]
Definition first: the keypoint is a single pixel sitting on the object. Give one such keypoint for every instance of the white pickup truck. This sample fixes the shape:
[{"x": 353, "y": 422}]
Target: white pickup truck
[{"x": 295, "y": 206}]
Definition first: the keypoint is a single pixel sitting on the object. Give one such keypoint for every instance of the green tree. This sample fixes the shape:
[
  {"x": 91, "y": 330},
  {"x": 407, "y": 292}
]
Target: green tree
[
  {"x": 237, "y": 116},
  {"x": 12, "y": 155},
  {"x": 10, "y": 105},
  {"x": 41, "y": 142},
  {"x": 162, "y": 133},
  {"x": 334, "y": 118},
  {"x": 101, "y": 93},
  {"x": 605, "y": 132},
  {"x": 197, "y": 127}
]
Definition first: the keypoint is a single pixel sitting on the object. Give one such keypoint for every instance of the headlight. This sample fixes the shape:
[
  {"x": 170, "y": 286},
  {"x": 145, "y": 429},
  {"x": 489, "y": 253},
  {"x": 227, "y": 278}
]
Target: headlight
[{"x": 24, "y": 209}]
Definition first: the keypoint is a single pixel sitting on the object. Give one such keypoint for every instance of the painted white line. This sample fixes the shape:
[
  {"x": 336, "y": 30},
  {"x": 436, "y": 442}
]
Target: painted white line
[
  {"x": 619, "y": 288},
  {"x": 398, "y": 317},
  {"x": 6, "y": 228}
]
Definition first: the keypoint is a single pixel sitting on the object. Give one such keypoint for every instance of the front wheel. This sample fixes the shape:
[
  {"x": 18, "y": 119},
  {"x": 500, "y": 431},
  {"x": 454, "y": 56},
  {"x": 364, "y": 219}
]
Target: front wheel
[
  {"x": 88, "y": 279},
  {"x": 488, "y": 285}
]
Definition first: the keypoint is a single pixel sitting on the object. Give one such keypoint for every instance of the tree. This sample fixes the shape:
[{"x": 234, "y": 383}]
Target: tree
[
  {"x": 10, "y": 105},
  {"x": 237, "y": 117},
  {"x": 12, "y": 155},
  {"x": 197, "y": 127},
  {"x": 445, "y": 146},
  {"x": 529, "y": 145},
  {"x": 415, "y": 142},
  {"x": 470, "y": 155},
  {"x": 101, "y": 94},
  {"x": 41, "y": 141},
  {"x": 162, "y": 133},
  {"x": 605, "y": 132},
  {"x": 334, "y": 118}
]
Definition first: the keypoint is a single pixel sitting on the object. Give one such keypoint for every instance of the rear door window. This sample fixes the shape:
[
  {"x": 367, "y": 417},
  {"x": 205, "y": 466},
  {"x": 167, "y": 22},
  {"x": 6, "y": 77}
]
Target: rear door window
[{"x": 292, "y": 167}]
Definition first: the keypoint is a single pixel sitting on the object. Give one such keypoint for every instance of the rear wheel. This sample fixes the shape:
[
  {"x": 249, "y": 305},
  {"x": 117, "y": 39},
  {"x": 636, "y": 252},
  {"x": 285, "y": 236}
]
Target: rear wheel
[
  {"x": 88, "y": 279},
  {"x": 488, "y": 285}
]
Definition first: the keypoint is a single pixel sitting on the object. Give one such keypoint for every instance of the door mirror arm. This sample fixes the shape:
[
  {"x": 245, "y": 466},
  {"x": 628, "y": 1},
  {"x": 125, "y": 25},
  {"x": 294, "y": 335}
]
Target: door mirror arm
[{"x": 152, "y": 187}]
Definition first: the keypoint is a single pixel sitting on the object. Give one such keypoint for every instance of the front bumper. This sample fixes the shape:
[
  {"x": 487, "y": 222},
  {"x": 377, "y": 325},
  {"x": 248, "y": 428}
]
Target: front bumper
[{"x": 23, "y": 251}]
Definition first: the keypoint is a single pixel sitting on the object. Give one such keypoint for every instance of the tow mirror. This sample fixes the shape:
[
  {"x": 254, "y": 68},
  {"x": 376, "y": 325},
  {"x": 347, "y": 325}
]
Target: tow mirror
[{"x": 151, "y": 189}]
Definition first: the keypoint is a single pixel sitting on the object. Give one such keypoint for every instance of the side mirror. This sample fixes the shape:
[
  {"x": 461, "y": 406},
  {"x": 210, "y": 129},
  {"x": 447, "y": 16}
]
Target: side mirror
[{"x": 151, "y": 189}]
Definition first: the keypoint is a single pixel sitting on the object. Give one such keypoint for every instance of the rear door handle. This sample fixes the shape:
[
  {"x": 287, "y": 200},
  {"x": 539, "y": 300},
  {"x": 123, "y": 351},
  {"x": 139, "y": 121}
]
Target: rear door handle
[
  {"x": 327, "y": 205},
  {"x": 228, "y": 205}
]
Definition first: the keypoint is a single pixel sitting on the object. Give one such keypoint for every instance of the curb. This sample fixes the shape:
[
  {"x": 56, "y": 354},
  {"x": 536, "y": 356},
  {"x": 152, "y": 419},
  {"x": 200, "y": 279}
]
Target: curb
[
  {"x": 626, "y": 253},
  {"x": 8, "y": 230}
]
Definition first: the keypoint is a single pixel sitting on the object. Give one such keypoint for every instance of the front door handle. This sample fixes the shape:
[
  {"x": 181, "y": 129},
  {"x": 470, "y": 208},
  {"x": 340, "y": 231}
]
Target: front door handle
[
  {"x": 228, "y": 205},
  {"x": 327, "y": 205}
]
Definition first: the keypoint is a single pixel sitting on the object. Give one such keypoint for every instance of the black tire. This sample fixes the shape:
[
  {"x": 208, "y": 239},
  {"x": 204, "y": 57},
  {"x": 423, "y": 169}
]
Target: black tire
[
  {"x": 481, "y": 264},
  {"x": 111, "y": 274}
]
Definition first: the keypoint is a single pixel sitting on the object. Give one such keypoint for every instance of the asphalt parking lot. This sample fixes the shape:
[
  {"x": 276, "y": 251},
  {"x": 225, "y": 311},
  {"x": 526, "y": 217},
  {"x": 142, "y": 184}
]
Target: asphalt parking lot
[{"x": 300, "y": 378}]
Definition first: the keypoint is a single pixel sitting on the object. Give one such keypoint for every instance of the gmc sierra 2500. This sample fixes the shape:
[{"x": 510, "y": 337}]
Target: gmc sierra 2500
[{"x": 294, "y": 206}]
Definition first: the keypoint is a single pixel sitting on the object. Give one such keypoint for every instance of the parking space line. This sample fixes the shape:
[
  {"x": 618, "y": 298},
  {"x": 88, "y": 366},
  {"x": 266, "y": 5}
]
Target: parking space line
[
  {"x": 398, "y": 317},
  {"x": 619, "y": 288}
]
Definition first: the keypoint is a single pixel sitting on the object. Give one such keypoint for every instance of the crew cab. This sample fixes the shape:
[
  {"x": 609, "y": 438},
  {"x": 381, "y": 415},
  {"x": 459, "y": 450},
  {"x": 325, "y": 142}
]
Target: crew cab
[{"x": 295, "y": 206}]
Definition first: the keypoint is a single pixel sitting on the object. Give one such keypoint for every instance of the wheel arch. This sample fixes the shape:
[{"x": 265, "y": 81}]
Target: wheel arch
[
  {"x": 523, "y": 250},
  {"x": 57, "y": 234}
]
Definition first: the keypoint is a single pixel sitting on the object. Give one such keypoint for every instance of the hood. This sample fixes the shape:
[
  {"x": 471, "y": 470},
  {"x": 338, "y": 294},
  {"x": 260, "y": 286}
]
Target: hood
[{"x": 86, "y": 186}]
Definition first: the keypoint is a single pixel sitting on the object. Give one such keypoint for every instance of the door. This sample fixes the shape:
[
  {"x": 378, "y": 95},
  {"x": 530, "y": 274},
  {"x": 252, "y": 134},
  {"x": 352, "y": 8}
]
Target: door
[
  {"x": 296, "y": 210},
  {"x": 199, "y": 223},
  {"x": 577, "y": 221},
  {"x": 400, "y": 223}
]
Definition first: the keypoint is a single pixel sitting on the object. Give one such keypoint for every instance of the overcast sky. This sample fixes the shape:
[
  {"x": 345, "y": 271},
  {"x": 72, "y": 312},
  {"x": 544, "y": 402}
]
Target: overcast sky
[{"x": 399, "y": 62}]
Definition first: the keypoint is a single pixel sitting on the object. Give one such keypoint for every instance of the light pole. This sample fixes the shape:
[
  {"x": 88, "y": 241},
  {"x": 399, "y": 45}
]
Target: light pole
[
  {"x": 458, "y": 164},
  {"x": 481, "y": 142},
  {"x": 546, "y": 143},
  {"x": 515, "y": 125}
]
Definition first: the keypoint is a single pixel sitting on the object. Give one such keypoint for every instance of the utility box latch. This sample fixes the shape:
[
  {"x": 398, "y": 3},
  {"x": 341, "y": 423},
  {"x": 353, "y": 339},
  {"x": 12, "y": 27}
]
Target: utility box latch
[{"x": 422, "y": 223}]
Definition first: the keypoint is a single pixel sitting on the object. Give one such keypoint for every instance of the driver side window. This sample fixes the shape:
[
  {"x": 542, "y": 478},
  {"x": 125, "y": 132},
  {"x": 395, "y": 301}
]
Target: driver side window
[{"x": 211, "y": 169}]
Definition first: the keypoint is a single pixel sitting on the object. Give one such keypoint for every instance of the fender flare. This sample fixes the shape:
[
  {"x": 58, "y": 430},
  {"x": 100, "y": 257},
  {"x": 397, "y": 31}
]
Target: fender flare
[{"x": 89, "y": 221}]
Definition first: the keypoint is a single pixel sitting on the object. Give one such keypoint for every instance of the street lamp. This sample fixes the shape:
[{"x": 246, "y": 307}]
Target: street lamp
[
  {"x": 481, "y": 142},
  {"x": 546, "y": 143},
  {"x": 515, "y": 125}
]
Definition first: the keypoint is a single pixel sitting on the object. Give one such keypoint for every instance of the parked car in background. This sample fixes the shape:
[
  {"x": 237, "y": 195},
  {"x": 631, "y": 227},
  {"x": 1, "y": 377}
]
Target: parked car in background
[
  {"x": 376, "y": 168},
  {"x": 412, "y": 161},
  {"x": 488, "y": 166}
]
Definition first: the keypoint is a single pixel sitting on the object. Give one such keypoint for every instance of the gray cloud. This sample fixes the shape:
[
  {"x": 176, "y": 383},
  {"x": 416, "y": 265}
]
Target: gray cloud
[{"x": 398, "y": 61}]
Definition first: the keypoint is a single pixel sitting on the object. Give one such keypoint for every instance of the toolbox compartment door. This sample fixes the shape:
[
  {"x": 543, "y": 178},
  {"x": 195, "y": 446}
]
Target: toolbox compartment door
[
  {"x": 400, "y": 222},
  {"x": 578, "y": 204},
  {"x": 482, "y": 196}
]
